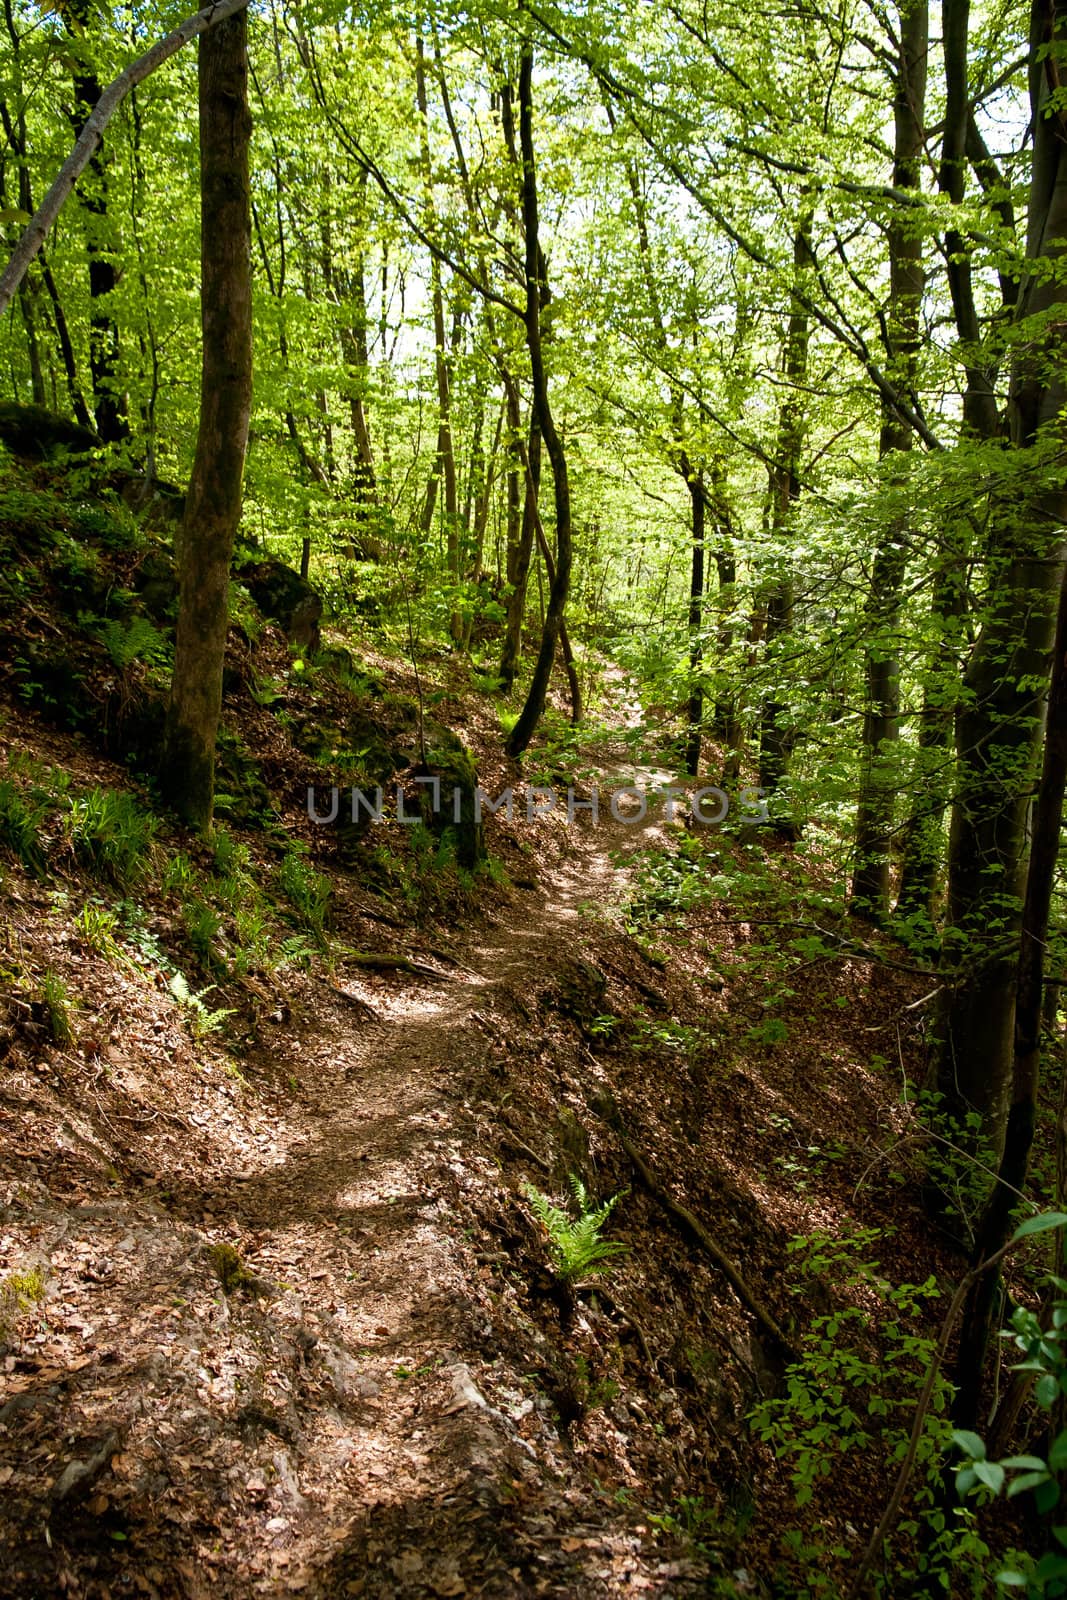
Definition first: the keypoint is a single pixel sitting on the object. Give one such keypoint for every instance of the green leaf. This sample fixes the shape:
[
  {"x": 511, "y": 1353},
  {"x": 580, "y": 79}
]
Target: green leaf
[
  {"x": 1057, "y": 1456},
  {"x": 1046, "y": 1494},
  {"x": 1046, "y": 1391},
  {"x": 969, "y": 1443},
  {"x": 991, "y": 1473},
  {"x": 1029, "y": 1480},
  {"x": 1044, "y": 1223},
  {"x": 1011, "y": 1580}
]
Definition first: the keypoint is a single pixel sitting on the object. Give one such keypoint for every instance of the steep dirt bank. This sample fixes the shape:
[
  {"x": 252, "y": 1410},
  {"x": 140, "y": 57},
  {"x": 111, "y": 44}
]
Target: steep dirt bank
[{"x": 343, "y": 1420}]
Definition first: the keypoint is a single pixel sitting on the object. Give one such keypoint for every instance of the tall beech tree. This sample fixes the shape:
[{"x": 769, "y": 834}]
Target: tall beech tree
[
  {"x": 1000, "y": 721},
  {"x": 875, "y": 809},
  {"x": 213, "y": 502}
]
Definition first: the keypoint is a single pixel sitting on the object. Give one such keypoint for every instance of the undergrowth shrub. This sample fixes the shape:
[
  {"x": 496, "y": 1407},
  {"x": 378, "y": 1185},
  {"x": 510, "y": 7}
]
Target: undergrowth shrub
[
  {"x": 1042, "y": 1343},
  {"x": 852, "y": 1394}
]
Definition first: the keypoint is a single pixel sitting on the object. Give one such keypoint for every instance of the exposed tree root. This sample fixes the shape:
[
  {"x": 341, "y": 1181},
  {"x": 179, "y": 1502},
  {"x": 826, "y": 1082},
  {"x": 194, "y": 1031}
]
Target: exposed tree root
[{"x": 604, "y": 1105}]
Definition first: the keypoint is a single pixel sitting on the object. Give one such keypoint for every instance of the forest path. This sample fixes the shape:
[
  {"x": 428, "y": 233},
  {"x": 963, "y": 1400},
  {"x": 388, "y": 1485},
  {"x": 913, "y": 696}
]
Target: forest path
[{"x": 429, "y": 1470}]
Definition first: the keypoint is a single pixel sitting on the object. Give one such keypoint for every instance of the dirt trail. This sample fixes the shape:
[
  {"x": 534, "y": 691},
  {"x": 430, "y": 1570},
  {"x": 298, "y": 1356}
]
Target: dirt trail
[
  {"x": 457, "y": 1484},
  {"x": 369, "y": 1408}
]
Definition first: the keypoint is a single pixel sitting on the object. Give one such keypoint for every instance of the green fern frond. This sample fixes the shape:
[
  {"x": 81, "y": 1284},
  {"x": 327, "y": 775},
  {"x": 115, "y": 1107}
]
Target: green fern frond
[{"x": 574, "y": 1244}]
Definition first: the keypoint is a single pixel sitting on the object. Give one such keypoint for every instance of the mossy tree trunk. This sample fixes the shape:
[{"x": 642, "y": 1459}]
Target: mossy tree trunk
[{"x": 213, "y": 503}]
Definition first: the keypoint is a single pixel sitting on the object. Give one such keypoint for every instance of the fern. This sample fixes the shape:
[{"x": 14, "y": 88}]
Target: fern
[
  {"x": 575, "y": 1246},
  {"x": 137, "y": 640},
  {"x": 202, "y": 1019}
]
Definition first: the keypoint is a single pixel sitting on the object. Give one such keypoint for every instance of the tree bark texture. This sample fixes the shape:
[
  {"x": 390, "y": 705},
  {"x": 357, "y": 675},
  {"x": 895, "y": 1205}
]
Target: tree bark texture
[{"x": 213, "y": 502}]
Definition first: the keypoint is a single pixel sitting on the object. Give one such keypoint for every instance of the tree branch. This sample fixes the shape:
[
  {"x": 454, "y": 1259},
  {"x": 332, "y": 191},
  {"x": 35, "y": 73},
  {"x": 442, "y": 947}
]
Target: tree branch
[{"x": 92, "y": 134}]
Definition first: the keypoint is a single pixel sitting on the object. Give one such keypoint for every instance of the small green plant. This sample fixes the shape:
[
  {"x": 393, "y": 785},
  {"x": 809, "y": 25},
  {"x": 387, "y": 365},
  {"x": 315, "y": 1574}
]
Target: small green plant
[
  {"x": 178, "y": 874},
  {"x": 58, "y": 1009},
  {"x": 202, "y": 925},
  {"x": 229, "y": 858},
  {"x": 575, "y": 1245},
  {"x": 772, "y": 1030},
  {"x": 95, "y": 927},
  {"x": 307, "y": 891},
  {"x": 110, "y": 835},
  {"x": 21, "y": 820},
  {"x": 690, "y": 1518},
  {"x": 297, "y": 951},
  {"x": 648, "y": 1033},
  {"x": 20, "y": 1292},
  {"x": 255, "y": 943},
  {"x": 592, "y": 1393},
  {"x": 958, "y": 1161},
  {"x": 202, "y": 1019},
  {"x": 245, "y": 613},
  {"x": 670, "y": 883}
]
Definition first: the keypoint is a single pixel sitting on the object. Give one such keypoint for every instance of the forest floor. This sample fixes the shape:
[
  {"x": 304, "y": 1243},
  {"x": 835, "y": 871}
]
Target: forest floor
[{"x": 282, "y": 1320}]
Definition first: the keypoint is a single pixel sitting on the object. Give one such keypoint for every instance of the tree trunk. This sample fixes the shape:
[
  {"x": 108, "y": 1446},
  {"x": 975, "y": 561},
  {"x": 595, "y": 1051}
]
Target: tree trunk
[
  {"x": 444, "y": 468},
  {"x": 923, "y": 835},
  {"x": 536, "y": 287},
  {"x": 695, "y": 708},
  {"x": 213, "y": 502},
  {"x": 776, "y": 736},
  {"x": 996, "y": 1222},
  {"x": 923, "y": 848},
  {"x": 880, "y": 768},
  {"x": 726, "y": 721},
  {"x": 109, "y": 402},
  {"x": 999, "y": 724},
  {"x": 520, "y": 534}
]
